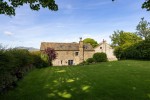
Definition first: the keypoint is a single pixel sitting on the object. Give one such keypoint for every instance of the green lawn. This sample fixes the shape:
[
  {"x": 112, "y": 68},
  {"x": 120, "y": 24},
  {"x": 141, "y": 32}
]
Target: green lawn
[{"x": 120, "y": 80}]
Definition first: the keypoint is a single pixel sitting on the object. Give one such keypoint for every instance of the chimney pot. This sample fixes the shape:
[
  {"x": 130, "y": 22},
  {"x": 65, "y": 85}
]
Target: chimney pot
[{"x": 80, "y": 38}]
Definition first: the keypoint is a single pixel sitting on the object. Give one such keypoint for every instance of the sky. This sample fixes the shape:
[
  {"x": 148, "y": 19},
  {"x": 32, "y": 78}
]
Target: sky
[{"x": 97, "y": 19}]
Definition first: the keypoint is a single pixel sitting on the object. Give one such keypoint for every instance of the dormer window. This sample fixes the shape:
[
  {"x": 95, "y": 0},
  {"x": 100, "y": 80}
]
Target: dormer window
[{"x": 100, "y": 47}]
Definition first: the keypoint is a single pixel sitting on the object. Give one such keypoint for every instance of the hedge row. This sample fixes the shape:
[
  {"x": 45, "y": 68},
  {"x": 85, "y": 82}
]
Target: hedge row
[
  {"x": 139, "y": 50},
  {"x": 14, "y": 64}
]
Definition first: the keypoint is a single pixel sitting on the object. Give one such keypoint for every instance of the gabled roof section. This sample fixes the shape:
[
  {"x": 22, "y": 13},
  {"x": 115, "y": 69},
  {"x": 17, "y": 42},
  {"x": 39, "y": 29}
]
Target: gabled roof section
[
  {"x": 65, "y": 46},
  {"x": 98, "y": 45},
  {"x": 102, "y": 43}
]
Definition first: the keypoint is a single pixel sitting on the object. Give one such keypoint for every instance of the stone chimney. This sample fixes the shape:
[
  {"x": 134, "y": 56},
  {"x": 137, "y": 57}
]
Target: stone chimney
[
  {"x": 104, "y": 46},
  {"x": 104, "y": 41},
  {"x": 81, "y": 50}
]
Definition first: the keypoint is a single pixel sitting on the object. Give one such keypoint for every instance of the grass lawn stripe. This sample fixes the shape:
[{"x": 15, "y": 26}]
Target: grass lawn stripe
[{"x": 121, "y": 80}]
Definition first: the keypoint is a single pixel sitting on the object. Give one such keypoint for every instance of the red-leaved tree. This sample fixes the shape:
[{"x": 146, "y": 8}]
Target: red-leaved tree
[{"x": 50, "y": 52}]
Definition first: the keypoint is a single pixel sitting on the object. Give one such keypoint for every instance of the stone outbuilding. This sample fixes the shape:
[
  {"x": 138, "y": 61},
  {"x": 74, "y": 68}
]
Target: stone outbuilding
[
  {"x": 69, "y": 53},
  {"x": 75, "y": 53},
  {"x": 106, "y": 48}
]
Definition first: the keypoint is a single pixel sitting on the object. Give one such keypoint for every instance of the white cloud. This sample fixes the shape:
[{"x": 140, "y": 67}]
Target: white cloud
[{"x": 8, "y": 33}]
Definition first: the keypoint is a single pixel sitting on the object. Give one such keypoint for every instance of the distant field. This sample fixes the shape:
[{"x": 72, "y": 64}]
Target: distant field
[{"x": 120, "y": 80}]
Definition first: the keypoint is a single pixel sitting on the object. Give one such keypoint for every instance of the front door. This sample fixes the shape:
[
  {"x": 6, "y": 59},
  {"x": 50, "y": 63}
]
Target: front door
[{"x": 70, "y": 62}]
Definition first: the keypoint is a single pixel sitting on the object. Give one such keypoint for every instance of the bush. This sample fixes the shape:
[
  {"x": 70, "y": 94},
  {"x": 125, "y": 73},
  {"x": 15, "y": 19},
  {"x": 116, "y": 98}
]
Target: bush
[
  {"x": 90, "y": 60},
  {"x": 14, "y": 64},
  {"x": 139, "y": 50},
  {"x": 118, "y": 52},
  {"x": 38, "y": 62},
  {"x": 100, "y": 57},
  {"x": 83, "y": 63}
]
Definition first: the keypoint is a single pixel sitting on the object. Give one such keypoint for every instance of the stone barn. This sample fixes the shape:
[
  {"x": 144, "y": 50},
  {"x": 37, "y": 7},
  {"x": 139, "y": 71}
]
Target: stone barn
[
  {"x": 75, "y": 53},
  {"x": 106, "y": 48},
  {"x": 69, "y": 53}
]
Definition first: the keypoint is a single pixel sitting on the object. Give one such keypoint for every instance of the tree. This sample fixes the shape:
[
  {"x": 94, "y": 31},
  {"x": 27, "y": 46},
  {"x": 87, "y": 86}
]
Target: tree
[
  {"x": 124, "y": 39},
  {"x": 51, "y": 55},
  {"x": 146, "y": 5},
  {"x": 91, "y": 41},
  {"x": 143, "y": 29},
  {"x": 8, "y": 7}
]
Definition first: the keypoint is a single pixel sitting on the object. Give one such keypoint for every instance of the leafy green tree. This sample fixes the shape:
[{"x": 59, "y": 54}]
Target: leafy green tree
[
  {"x": 124, "y": 39},
  {"x": 146, "y": 5},
  {"x": 8, "y": 7},
  {"x": 143, "y": 29},
  {"x": 91, "y": 41}
]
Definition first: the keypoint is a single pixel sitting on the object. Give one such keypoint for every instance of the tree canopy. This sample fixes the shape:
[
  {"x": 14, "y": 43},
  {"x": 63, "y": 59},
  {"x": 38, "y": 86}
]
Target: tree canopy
[
  {"x": 8, "y": 7},
  {"x": 50, "y": 52},
  {"x": 91, "y": 41},
  {"x": 143, "y": 29},
  {"x": 146, "y": 5},
  {"x": 121, "y": 38}
]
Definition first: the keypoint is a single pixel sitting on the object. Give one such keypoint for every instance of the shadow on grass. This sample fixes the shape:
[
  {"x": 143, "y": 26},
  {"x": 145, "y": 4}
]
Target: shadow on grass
[{"x": 67, "y": 88}]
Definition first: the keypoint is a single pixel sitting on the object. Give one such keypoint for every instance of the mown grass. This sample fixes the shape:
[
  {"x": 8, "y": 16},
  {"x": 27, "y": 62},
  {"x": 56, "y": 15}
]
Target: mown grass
[{"x": 120, "y": 80}]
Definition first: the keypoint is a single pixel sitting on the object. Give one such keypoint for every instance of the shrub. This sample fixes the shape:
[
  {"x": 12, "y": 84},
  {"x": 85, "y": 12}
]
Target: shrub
[
  {"x": 90, "y": 60},
  {"x": 38, "y": 62},
  {"x": 51, "y": 55},
  {"x": 118, "y": 52},
  {"x": 83, "y": 63},
  {"x": 100, "y": 57},
  {"x": 14, "y": 64},
  {"x": 139, "y": 50}
]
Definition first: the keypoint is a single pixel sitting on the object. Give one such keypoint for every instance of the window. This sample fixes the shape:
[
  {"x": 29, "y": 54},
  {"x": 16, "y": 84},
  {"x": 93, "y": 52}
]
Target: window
[
  {"x": 100, "y": 47},
  {"x": 61, "y": 61},
  {"x": 76, "y": 53}
]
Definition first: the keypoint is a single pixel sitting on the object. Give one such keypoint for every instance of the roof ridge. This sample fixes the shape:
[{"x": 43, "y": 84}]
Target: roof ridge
[{"x": 60, "y": 42}]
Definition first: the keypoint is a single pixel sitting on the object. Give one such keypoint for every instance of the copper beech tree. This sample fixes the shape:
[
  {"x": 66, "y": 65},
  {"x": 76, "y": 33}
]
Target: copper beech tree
[{"x": 51, "y": 54}]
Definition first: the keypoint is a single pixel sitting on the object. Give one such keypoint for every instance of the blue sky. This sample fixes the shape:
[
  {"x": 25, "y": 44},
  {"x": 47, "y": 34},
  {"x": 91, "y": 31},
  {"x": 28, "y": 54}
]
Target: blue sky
[{"x": 96, "y": 19}]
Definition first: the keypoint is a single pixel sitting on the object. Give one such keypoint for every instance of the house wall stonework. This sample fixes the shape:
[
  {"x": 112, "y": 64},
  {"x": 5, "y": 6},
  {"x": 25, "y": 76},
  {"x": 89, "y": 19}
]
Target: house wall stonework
[
  {"x": 76, "y": 53},
  {"x": 63, "y": 57},
  {"x": 88, "y": 54},
  {"x": 106, "y": 48}
]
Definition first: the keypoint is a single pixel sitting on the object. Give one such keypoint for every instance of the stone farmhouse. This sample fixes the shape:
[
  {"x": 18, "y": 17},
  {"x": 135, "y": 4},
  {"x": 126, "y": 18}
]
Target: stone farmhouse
[{"x": 75, "y": 53}]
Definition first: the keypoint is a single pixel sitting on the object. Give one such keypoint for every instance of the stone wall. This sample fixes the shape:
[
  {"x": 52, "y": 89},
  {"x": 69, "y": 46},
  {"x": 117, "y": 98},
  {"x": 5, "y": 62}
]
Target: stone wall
[
  {"x": 64, "y": 56},
  {"x": 88, "y": 54},
  {"x": 106, "y": 48}
]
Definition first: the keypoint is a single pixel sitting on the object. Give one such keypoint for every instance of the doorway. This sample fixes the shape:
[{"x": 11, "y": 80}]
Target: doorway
[{"x": 70, "y": 62}]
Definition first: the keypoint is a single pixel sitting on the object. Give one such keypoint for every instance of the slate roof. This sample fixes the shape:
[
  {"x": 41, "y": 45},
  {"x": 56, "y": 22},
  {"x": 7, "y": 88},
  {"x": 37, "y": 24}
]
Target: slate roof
[{"x": 65, "y": 46}]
